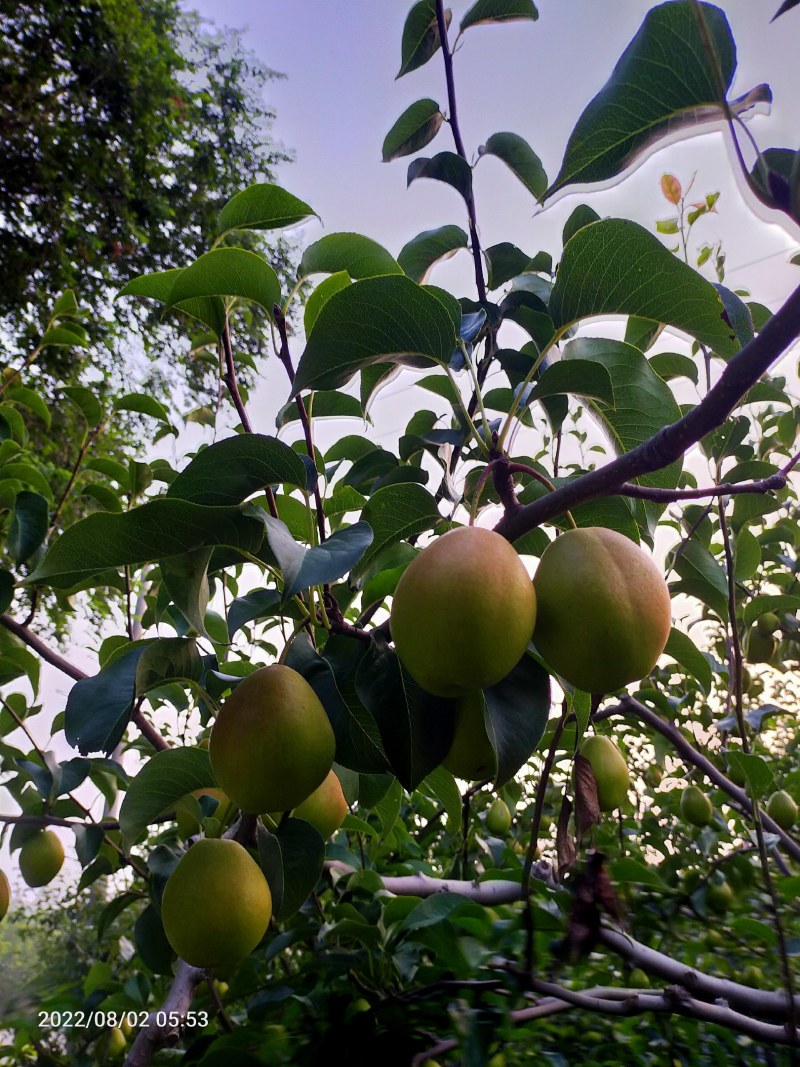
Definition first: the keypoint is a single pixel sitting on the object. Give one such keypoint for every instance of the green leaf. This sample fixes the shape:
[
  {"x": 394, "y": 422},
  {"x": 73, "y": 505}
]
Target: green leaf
[
  {"x": 583, "y": 377},
  {"x": 300, "y": 851},
  {"x": 302, "y": 567},
  {"x": 30, "y": 399},
  {"x": 441, "y": 786},
  {"x": 395, "y": 513},
  {"x": 649, "y": 96},
  {"x": 86, "y": 401},
  {"x": 579, "y": 217},
  {"x": 628, "y": 870},
  {"x": 228, "y": 272},
  {"x": 702, "y": 577},
  {"x": 28, "y": 525},
  {"x": 643, "y": 403},
  {"x": 669, "y": 365},
  {"x": 262, "y": 207},
  {"x": 416, "y": 728},
  {"x": 158, "y": 286},
  {"x": 685, "y": 652},
  {"x": 443, "y": 167},
  {"x": 165, "y": 778},
  {"x": 617, "y": 267},
  {"x": 255, "y": 605},
  {"x": 231, "y": 470},
  {"x": 518, "y": 708},
  {"x": 144, "y": 404},
  {"x": 420, "y": 36},
  {"x": 506, "y": 261},
  {"x": 156, "y": 530},
  {"x": 360, "y": 256},
  {"x": 517, "y": 154},
  {"x": 416, "y": 127},
  {"x": 63, "y": 337},
  {"x": 168, "y": 659},
  {"x": 320, "y": 295},
  {"x": 428, "y": 248},
  {"x": 746, "y": 555},
  {"x": 778, "y": 602},
  {"x": 6, "y": 590},
  {"x": 327, "y": 404},
  {"x": 755, "y": 770},
  {"x": 29, "y": 475},
  {"x": 498, "y": 11},
  {"x": 436, "y": 909},
  {"x": 99, "y": 708},
  {"x": 380, "y": 320}
]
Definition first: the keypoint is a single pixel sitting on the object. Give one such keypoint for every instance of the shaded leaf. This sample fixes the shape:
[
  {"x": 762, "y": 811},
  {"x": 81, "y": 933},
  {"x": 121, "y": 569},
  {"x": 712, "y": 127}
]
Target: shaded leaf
[
  {"x": 685, "y": 652},
  {"x": 616, "y": 267},
  {"x": 262, "y": 207},
  {"x": 443, "y": 167},
  {"x": 517, "y": 709},
  {"x": 253, "y": 606},
  {"x": 360, "y": 256},
  {"x": 28, "y": 528},
  {"x": 517, "y": 155},
  {"x": 395, "y": 513},
  {"x": 498, "y": 11},
  {"x": 420, "y": 36},
  {"x": 99, "y": 708},
  {"x": 186, "y": 579},
  {"x": 416, "y": 127},
  {"x": 429, "y": 247},
  {"x": 320, "y": 295},
  {"x": 580, "y": 376},
  {"x": 380, "y": 320},
  {"x": 164, "y": 779},
  {"x": 158, "y": 286},
  {"x": 228, "y": 272},
  {"x": 144, "y": 404},
  {"x": 231, "y": 470},
  {"x": 303, "y": 567}
]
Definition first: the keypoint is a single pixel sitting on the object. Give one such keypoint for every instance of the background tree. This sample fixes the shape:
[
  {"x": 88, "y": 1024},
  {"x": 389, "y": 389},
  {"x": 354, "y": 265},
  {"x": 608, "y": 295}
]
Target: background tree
[{"x": 446, "y": 919}]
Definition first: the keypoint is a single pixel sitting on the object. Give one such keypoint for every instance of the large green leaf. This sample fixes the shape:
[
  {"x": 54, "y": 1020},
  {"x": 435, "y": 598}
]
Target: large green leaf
[
  {"x": 28, "y": 525},
  {"x": 520, "y": 158},
  {"x": 702, "y": 577},
  {"x": 444, "y": 167},
  {"x": 262, "y": 207},
  {"x": 228, "y": 272},
  {"x": 643, "y": 402},
  {"x": 420, "y": 36},
  {"x": 419, "y": 254},
  {"x": 416, "y": 728},
  {"x": 99, "y": 708},
  {"x": 164, "y": 779},
  {"x": 156, "y": 530},
  {"x": 231, "y": 470},
  {"x": 360, "y": 256},
  {"x": 617, "y": 267},
  {"x": 498, "y": 11},
  {"x": 302, "y": 567},
  {"x": 292, "y": 861},
  {"x": 416, "y": 127},
  {"x": 321, "y": 295},
  {"x": 684, "y": 651},
  {"x": 518, "y": 708},
  {"x": 395, "y": 513},
  {"x": 158, "y": 286},
  {"x": 380, "y": 320},
  {"x": 24, "y": 397},
  {"x": 663, "y": 83},
  {"x": 582, "y": 377}
]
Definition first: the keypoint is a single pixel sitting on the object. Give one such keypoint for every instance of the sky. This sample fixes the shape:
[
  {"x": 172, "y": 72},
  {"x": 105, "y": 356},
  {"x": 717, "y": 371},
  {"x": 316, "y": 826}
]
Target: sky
[{"x": 339, "y": 97}]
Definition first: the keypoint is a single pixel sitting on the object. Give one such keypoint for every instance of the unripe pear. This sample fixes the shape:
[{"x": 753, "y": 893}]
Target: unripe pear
[
  {"x": 782, "y": 808},
  {"x": 753, "y": 976},
  {"x": 638, "y": 979},
  {"x": 610, "y": 771},
  {"x": 719, "y": 897},
  {"x": 272, "y": 744},
  {"x": 113, "y": 1043},
  {"x": 696, "y": 808},
  {"x": 326, "y": 808},
  {"x": 471, "y": 755},
  {"x": 463, "y": 612},
  {"x": 5, "y": 895},
  {"x": 40, "y": 858},
  {"x": 767, "y": 623},
  {"x": 760, "y": 647},
  {"x": 216, "y": 904},
  {"x": 498, "y": 818},
  {"x": 604, "y": 612}
]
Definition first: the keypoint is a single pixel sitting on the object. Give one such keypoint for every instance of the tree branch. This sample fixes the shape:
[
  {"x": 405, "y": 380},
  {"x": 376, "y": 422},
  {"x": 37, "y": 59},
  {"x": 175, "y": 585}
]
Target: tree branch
[
  {"x": 47, "y": 654},
  {"x": 667, "y": 496},
  {"x": 671, "y": 442},
  {"x": 153, "y": 1036},
  {"x": 630, "y": 706}
]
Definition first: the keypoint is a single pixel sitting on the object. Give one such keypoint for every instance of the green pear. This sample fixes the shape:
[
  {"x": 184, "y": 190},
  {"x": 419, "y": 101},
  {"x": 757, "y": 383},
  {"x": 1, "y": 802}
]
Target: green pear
[
  {"x": 40, "y": 858},
  {"x": 696, "y": 808},
  {"x": 463, "y": 612},
  {"x": 471, "y": 755},
  {"x": 603, "y": 609},
  {"x": 782, "y": 808},
  {"x": 610, "y": 771}
]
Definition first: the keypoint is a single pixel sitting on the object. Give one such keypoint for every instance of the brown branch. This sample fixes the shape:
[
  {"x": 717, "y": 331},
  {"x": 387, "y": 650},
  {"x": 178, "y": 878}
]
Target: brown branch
[
  {"x": 47, "y": 654},
  {"x": 667, "y": 496},
  {"x": 671, "y": 442},
  {"x": 285, "y": 356},
  {"x": 177, "y": 1003},
  {"x": 630, "y": 706},
  {"x": 54, "y": 820}
]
